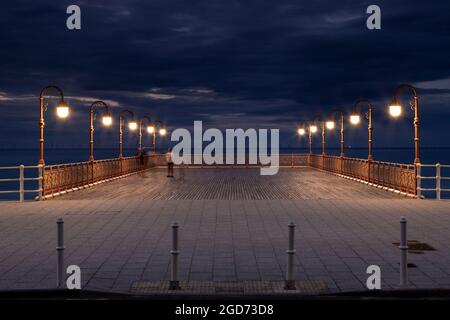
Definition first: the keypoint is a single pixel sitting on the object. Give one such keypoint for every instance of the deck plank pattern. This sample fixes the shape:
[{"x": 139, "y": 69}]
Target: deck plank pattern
[{"x": 233, "y": 184}]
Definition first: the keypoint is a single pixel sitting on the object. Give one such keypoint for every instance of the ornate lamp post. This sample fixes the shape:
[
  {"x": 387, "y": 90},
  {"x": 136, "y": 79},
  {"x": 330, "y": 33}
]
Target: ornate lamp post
[
  {"x": 314, "y": 129},
  {"x": 330, "y": 125},
  {"x": 395, "y": 109},
  {"x": 355, "y": 119},
  {"x": 106, "y": 119},
  {"x": 150, "y": 129},
  {"x": 62, "y": 110},
  {"x": 301, "y": 130},
  {"x": 158, "y": 126},
  {"x": 132, "y": 125},
  {"x": 311, "y": 131}
]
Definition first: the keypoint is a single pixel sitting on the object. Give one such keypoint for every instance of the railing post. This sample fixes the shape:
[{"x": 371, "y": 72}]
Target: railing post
[
  {"x": 40, "y": 181},
  {"x": 290, "y": 282},
  {"x": 418, "y": 180},
  {"x": 403, "y": 253},
  {"x": 438, "y": 181},
  {"x": 60, "y": 253},
  {"x": 21, "y": 183},
  {"x": 174, "y": 283}
]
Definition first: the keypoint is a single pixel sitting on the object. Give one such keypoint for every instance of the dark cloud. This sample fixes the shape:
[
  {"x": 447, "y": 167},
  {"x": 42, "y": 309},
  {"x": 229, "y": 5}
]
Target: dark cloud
[{"x": 229, "y": 63}]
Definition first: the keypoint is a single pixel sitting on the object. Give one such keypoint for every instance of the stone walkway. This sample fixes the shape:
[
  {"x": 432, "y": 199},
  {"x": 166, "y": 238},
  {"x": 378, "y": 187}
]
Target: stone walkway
[{"x": 119, "y": 239}]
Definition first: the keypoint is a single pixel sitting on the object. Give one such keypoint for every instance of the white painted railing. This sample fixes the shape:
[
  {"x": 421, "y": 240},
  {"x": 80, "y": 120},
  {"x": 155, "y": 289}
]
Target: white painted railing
[
  {"x": 21, "y": 179},
  {"x": 438, "y": 178}
]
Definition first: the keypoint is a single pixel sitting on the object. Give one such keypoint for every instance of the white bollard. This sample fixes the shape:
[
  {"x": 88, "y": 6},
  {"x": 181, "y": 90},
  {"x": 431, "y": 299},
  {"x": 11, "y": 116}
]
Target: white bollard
[
  {"x": 290, "y": 282},
  {"x": 403, "y": 253},
  {"x": 60, "y": 253},
  {"x": 174, "y": 284}
]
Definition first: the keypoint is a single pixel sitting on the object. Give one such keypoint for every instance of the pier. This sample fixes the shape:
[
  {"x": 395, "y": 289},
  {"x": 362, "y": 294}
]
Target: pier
[{"x": 232, "y": 226}]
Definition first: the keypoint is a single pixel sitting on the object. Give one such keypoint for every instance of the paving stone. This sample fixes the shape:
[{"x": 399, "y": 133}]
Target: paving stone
[{"x": 120, "y": 232}]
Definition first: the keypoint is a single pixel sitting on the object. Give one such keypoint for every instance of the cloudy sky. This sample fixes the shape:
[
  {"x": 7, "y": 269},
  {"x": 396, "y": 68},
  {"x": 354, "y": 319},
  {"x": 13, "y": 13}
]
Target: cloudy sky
[{"x": 233, "y": 63}]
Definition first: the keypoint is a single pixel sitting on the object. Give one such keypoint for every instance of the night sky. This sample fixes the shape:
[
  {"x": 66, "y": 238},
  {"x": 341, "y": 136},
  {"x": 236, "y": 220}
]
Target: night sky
[{"x": 232, "y": 64}]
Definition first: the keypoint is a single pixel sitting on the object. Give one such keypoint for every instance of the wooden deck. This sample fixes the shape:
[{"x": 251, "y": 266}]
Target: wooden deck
[{"x": 232, "y": 184}]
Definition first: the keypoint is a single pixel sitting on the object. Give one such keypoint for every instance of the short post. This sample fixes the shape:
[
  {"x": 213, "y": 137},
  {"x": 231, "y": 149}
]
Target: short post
[
  {"x": 438, "y": 181},
  {"x": 290, "y": 282},
  {"x": 60, "y": 253},
  {"x": 21, "y": 183},
  {"x": 174, "y": 283},
  {"x": 403, "y": 253}
]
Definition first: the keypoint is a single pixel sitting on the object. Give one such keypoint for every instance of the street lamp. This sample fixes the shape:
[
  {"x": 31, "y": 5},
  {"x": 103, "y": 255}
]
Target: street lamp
[
  {"x": 157, "y": 126},
  {"x": 62, "y": 110},
  {"x": 132, "y": 125},
  {"x": 301, "y": 131},
  {"x": 330, "y": 126},
  {"x": 150, "y": 129},
  {"x": 355, "y": 119},
  {"x": 395, "y": 110},
  {"x": 311, "y": 131},
  {"x": 106, "y": 120}
]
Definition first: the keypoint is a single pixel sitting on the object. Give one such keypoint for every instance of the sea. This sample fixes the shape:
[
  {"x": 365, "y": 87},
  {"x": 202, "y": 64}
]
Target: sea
[{"x": 15, "y": 157}]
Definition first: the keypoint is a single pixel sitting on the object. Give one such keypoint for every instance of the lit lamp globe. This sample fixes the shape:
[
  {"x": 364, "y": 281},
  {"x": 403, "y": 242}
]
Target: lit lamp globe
[
  {"x": 150, "y": 129},
  {"x": 162, "y": 131},
  {"x": 313, "y": 129},
  {"x": 107, "y": 120},
  {"x": 62, "y": 110},
  {"x": 301, "y": 131},
  {"x": 355, "y": 118},
  {"x": 132, "y": 125},
  {"x": 395, "y": 108},
  {"x": 330, "y": 125}
]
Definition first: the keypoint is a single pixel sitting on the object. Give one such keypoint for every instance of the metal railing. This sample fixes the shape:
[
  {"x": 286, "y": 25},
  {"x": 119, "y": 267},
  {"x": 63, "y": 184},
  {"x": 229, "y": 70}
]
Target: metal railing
[
  {"x": 196, "y": 160},
  {"x": 22, "y": 179},
  {"x": 395, "y": 176},
  {"x": 61, "y": 178},
  {"x": 438, "y": 179}
]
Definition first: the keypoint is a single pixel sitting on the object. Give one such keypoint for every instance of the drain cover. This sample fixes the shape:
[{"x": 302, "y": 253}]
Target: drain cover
[{"x": 416, "y": 247}]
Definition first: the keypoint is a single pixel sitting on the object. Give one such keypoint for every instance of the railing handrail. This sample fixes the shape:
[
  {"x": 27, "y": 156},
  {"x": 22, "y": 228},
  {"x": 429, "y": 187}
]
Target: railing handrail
[
  {"x": 18, "y": 167},
  {"x": 365, "y": 160},
  {"x": 87, "y": 162},
  {"x": 22, "y": 191},
  {"x": 438, "y": 177}
]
